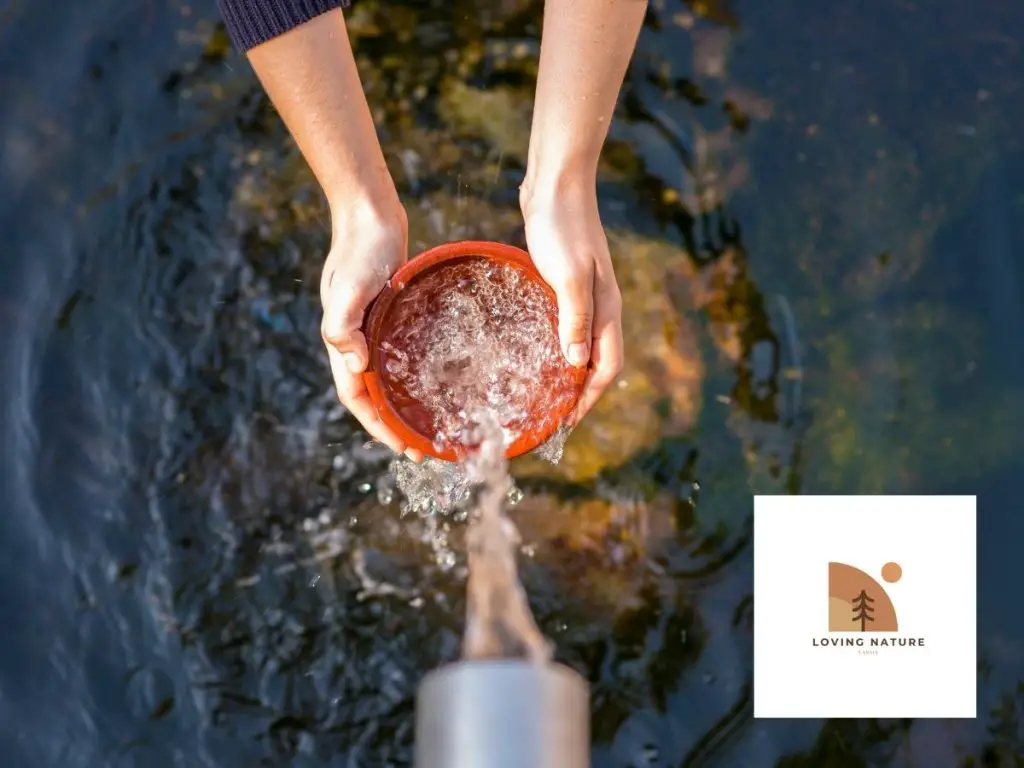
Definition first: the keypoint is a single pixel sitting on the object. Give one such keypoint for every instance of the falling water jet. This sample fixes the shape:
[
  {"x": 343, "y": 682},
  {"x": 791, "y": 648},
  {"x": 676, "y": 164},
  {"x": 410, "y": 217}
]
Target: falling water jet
[{"x": 498, "y": 619}]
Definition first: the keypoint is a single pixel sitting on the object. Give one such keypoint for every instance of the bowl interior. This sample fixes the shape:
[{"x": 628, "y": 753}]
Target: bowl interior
[{"x": 546, "y": 393}]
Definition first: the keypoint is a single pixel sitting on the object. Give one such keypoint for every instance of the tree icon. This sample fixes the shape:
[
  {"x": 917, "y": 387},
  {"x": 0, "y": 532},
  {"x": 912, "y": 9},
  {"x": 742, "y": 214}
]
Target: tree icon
[{"x": 862, "y": 609}]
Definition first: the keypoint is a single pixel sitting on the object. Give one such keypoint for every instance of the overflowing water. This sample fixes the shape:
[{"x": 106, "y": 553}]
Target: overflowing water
[{"x": 471, "y": 355}]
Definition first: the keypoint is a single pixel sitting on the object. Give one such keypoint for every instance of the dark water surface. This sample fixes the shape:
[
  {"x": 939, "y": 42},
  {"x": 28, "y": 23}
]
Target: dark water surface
[{"x": 202, "y": 563}]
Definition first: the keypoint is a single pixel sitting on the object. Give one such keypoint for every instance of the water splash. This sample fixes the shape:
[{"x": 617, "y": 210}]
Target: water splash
[
  {"x": 553, "y": 450},
  {"x": 431, "y": 487}
]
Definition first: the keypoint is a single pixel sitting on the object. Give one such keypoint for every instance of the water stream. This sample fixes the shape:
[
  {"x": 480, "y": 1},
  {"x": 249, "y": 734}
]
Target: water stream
[
  {"x": 471, "y": 356},
  {"x": 499, "y": 623}
]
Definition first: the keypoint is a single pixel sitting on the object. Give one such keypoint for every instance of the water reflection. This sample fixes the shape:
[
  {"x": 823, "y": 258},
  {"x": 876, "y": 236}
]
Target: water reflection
[{"x": 813, "y": 219}]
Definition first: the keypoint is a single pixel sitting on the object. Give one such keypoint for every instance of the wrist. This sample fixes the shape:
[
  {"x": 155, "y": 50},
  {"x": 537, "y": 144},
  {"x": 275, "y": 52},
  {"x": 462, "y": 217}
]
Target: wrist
[
  {"x": 567, "y": 184},
  {"x": 369, "y": 197},
  {"x": 360, "y": 185},
  {"x": 367, "y": 212}
]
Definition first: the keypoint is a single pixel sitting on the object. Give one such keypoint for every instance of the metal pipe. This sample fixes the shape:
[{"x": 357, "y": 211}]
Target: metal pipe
[{"x": 503, "y": 714}]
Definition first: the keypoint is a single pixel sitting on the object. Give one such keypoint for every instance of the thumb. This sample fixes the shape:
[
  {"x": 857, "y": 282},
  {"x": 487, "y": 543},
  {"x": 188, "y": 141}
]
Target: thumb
[
  {"x": 575, "y": 316},
  {"x": 342, "y": 324}
]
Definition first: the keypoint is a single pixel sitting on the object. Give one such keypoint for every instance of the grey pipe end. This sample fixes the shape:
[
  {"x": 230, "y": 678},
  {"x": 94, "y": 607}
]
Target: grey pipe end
[{"x": 503, "y": 714}]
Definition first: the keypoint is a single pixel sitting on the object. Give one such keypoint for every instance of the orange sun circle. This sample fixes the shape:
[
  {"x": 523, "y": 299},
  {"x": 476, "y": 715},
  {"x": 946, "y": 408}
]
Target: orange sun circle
[{"x": 892, "y": 572}]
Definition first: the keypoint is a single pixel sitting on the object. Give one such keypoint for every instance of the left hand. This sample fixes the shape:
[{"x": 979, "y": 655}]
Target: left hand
[{"x": 568, "y": 245}]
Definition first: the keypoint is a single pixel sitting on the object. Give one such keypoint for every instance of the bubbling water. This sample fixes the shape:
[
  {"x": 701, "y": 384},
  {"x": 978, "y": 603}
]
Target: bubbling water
[{"x": 474, "y": 337}]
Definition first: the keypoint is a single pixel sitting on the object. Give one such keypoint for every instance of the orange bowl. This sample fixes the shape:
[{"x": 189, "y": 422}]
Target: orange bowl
[{"x": 535, "y": 429}]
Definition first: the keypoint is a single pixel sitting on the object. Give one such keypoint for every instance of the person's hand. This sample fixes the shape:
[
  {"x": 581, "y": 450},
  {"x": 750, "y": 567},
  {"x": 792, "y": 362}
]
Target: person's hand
[
  {"x": 567, "y": 243},
  {"x": 366, "y": 250}
]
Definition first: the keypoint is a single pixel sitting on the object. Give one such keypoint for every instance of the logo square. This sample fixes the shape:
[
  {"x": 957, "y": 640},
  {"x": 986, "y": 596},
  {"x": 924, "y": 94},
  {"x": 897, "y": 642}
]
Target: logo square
[{"x": 865, "y": 606}]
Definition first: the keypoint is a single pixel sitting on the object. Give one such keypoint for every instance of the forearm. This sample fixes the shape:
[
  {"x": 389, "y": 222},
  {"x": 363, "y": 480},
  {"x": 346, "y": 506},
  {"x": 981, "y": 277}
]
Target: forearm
[
  {"x": 309, "y": 73},
  {"x": 585, "y": 49}
]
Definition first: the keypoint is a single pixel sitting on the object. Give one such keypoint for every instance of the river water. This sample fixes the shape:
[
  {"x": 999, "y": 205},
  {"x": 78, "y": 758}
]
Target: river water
[{"x": 203, "y": 562}]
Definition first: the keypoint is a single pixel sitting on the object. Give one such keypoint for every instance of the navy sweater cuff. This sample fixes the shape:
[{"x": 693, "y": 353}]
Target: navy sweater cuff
[{"x": 251, "y": 22}]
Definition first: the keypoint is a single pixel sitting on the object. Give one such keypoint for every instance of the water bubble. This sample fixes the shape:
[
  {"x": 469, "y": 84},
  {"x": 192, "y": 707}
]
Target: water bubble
[{"x": 365, "y": 487}]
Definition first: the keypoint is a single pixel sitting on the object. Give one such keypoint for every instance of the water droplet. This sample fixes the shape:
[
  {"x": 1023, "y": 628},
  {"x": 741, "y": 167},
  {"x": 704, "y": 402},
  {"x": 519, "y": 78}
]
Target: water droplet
[{"x": 446, "y": 560}]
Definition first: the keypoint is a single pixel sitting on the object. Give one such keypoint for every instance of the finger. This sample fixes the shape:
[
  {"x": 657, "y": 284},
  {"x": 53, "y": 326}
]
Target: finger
[
  {"x": 575, "y": 294},
  {"x": 343, "y": 318},
  {"x": 608, "y": 352},
  {"x": 353, "y": 395},
  {"x": 353, "y": 351},
  {"x": 607, "y": 357}
]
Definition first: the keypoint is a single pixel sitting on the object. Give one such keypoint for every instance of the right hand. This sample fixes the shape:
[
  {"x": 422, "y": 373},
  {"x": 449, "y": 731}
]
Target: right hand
[
  {"x": 570, "y": 249},
  {"x": 366, "y": 250}
]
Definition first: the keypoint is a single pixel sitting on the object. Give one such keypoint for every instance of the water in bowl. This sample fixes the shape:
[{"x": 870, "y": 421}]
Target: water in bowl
[{"x": 474, "y": 336}]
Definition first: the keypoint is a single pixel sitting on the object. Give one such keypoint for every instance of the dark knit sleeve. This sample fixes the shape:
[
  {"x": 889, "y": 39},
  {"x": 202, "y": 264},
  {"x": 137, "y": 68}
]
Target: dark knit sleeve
[{"x": 251, "y": 22}]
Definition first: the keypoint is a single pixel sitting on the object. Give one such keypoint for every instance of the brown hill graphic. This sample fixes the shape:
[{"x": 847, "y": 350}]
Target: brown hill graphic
[{"x": 858, "y": 603}]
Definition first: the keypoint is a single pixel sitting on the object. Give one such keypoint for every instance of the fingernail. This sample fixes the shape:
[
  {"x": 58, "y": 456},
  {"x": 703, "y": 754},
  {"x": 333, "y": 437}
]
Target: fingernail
[
  {"x": 355, "y": 365},
  {"x": 578, "y": 354}
]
